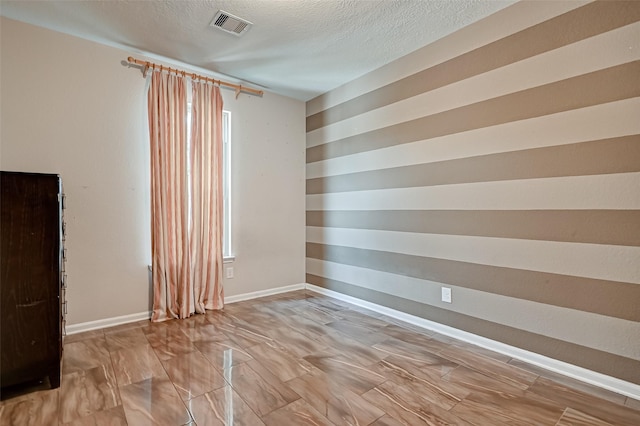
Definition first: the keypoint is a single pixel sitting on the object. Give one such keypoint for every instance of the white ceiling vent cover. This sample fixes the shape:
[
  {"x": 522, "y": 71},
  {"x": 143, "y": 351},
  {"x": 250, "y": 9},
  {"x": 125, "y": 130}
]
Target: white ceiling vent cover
[{"x": 229, "y": 23}]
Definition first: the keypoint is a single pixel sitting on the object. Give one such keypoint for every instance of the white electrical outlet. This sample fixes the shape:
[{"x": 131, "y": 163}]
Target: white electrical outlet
[
  {"x": 229, "y": 272},
  {"x": 446, "y": 294}
]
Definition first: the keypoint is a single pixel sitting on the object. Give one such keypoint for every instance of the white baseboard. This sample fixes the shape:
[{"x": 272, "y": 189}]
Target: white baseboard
[
  {"x": 124, "y": 319},
  {"x": 107, "y": 322},
  {"x": 263, "y": 293},
  {"x": 579, "y": 373}
]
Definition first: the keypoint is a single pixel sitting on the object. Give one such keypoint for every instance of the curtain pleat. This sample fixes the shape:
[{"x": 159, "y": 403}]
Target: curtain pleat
[
  {"x": 206, "y": 196},
  {"x": 186, "y": 197}
]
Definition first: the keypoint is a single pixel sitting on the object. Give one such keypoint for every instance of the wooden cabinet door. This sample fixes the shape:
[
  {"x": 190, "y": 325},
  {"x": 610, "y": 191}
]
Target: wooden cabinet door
[{"x": 29, "y": 277}]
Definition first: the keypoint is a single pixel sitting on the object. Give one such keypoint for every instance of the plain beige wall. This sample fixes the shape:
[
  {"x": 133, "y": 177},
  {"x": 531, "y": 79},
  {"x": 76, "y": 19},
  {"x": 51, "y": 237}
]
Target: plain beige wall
[
  {"x": 268, "y": 192},
  {"x": 69, "y": 106}
]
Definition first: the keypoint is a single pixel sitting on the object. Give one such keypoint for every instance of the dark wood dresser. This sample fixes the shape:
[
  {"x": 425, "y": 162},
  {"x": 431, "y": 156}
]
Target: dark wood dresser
[{"x": 31, "y": 278}]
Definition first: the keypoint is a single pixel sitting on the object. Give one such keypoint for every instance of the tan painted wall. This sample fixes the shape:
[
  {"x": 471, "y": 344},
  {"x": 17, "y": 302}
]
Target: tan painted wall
[
  {"x": 502, "y": 161},
  {"x": 70, "y": 107}
]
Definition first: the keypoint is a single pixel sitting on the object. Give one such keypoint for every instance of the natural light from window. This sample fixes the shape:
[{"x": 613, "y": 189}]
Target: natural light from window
[
  {"x": 226, "y": 183},
  {"x": 227, "y": 252}
]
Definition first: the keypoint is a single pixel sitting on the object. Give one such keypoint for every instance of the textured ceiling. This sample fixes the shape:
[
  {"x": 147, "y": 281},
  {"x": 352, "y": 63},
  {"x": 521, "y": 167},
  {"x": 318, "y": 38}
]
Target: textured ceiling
[{"x": 298, "y": 48}]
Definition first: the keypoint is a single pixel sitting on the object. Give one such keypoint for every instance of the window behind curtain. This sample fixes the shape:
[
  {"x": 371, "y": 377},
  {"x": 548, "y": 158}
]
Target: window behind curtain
[{"x": 227, "y": 252}]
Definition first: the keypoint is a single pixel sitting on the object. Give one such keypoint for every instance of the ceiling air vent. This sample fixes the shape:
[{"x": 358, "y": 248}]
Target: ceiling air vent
[{"x": 229, "y": 23}]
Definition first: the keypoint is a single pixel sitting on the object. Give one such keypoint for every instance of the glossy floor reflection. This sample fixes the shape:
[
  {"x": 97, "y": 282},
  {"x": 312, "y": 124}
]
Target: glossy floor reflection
[{"x": 301, "y": 359}]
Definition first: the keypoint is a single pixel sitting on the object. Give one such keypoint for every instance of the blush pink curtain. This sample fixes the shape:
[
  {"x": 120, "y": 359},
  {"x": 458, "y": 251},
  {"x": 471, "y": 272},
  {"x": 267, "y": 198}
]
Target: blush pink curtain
[
  {"x": 206, "y": 196},
  {"x": 185, "y": 197}
]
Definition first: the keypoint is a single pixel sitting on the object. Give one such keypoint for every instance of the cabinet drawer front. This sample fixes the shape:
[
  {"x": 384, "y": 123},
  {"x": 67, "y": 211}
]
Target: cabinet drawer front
[{"x": 30, "y": 334}]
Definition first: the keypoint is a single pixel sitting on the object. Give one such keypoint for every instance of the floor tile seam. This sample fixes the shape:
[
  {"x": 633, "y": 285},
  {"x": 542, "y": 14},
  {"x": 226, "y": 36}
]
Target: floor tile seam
[
  {"x": 577, "y": 388},
  {"x": 393, "y": 401},
  {"x": 346, "y": 336},
  {"x": 186, "y": 408},
  {"x": 290, "y": 403},
  {"x": 561, "y": 416},
  {"x": 511, "y": 412},
  {"x": 470, "y": 417},
  {"x": 221, "y": 370},
  {"x": 435, "y": 388},
  {"x": 608, "y": 421},
  {"x": 622, "y": 403},
  {"x": 532, "y": 391},
  {"x": 177, "y": 393},
  {"x": 184, "y": 402},
  {"x": 582, "y": 410},
  {"x": 239, "y": 393},
  {"x": 529, "y": 393},
  {"x": 324, "y": 414},
  {"x": 447, "y": 377},
  {"x": 498, "y": 377},
  {"x": 400, "y": 355},
  {"x": 115, "y": 376},
  {"x": 153, "y": 376},
  {"x": 215, "y": 369},
  {"x": 628, "y": 401},
  {"x": 261, "y": 417},
  {"x": 91, "y": 412},
  {"x": 379, "y": 417},
  {"x": 451, "y": 409},
  {"x": 299, "y": 360}
]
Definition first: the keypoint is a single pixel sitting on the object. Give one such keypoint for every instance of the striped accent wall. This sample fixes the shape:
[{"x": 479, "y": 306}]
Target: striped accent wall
[{"x": 502, "y": 161}]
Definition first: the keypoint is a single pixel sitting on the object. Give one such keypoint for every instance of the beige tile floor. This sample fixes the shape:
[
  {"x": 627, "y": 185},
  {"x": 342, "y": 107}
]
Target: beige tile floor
[{"x": 300, "y": 359}]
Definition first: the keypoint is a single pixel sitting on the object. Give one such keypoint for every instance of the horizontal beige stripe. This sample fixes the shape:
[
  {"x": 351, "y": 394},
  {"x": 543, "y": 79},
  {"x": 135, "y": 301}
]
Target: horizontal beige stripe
[
  {"x": 616, "y": 227},
  {"x": 605, "y": 262},
  {"x": 606, "y": 50},
  {"x": 613, "y": 365},
  {"x": 609, "y": 192},
  {"x": 494, "y": 27},
  {"x": 579, "y": 24},
  {"x": 613, "y": 335},
  {"x": 616, "y": 155},
  {"x": 608, "y": 85},
  {"x": 613, "y": 119},
  {"x": 610, "y": 298}
]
